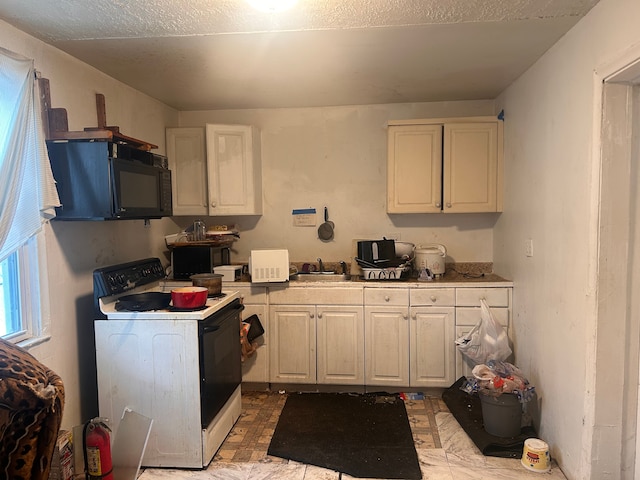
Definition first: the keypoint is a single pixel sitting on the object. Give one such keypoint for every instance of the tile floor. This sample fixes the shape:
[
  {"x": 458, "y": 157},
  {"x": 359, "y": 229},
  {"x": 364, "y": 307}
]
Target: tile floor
[{"x": 444, "y": 450}]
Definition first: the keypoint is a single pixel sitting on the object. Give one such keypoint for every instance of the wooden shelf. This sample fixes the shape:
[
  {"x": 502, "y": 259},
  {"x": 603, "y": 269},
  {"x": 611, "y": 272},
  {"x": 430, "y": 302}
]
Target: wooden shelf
[{"x": 56, "y": 124}]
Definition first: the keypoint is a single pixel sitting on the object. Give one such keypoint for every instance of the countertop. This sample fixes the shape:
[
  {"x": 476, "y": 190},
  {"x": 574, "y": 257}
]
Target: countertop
[{"x": 450, "y": 279}]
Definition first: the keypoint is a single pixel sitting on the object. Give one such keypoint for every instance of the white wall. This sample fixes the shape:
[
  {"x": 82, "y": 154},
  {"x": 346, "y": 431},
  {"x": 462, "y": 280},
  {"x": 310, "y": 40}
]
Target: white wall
[
  {"x": 549, "y": 121},
  {"x": 336, "y": 156},
  {"x": 75, "y": 249}
]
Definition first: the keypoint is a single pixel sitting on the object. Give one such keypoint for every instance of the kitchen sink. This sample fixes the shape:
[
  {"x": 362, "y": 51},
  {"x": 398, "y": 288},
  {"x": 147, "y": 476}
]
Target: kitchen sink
[{"x": 320, "y": 277}]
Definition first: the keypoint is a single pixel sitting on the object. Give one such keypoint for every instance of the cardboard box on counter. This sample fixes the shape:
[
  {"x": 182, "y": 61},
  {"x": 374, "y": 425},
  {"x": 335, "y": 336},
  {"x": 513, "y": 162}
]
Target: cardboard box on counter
[{"x": 62, "y": 461}]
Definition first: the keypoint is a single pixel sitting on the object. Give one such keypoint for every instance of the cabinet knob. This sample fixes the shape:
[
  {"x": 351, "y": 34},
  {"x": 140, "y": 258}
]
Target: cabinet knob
[
  {"x": 414, "y": 316},
  {"x": 438, "y": 204},
  {"x": 448, "y": 205},
  {"x": 319, "y": 315},
  {"x": 213, "y": 204},
  {"x": 311, "y": 315},
  {"x": 386, "y": 298},
  {"x": 405, "y": 316},
  {"x": 433, "y": 298}
]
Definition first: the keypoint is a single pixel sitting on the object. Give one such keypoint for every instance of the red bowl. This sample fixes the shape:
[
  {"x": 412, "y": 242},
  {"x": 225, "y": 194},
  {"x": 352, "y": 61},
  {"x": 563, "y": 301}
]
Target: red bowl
[{"x": 189, "y": 297}]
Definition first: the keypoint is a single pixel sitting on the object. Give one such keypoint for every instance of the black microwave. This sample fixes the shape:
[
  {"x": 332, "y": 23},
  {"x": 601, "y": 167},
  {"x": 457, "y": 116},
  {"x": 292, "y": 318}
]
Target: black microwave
[
  {"x": 192, "y": 259},
  {"x": 95, "y": 184}
]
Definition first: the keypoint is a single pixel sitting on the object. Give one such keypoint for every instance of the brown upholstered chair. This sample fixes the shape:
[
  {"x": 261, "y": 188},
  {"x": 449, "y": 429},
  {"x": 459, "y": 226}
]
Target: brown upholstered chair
[{"x": 31, "y": 403}]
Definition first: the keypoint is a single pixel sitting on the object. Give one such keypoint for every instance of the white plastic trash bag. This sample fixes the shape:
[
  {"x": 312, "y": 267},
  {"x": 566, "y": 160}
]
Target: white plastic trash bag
[{"x": 486, "y": 341}]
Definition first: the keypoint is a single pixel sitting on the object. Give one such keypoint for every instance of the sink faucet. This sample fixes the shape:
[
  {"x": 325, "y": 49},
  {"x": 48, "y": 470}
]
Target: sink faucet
[
  {"x": 320, "y": 265},
  {"x": 344, "y": 267}
]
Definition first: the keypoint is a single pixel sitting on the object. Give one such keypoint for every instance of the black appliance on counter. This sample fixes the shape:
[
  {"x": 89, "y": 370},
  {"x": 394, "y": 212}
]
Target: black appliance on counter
[
  {"x": 192, "y": 259},
  {"x": 377, "y": 252}
]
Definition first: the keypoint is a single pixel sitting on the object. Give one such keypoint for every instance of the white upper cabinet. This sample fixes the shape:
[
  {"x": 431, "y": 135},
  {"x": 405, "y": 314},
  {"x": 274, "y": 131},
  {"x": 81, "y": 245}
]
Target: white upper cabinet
[
  {"x": 215, "y": 171},
  {"x": 234, "y": 170},
  {"x": 414, "y": 169},
  {"x": 187, "y": 162},
  {"x": 449, "y": 165},
  {"x": 470, "y": 182}
]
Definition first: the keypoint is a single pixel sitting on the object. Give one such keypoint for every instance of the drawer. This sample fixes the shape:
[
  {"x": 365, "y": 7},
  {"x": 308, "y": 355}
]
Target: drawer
[
  {"x": 470, "y": 297},
  {"x": 386, "y": 296},
  {"x": 432, "y": 296},
  {"x": 315, "y": 296},
  {"x": 470, "y": 316},
  {"x": 250, "y": 294}
]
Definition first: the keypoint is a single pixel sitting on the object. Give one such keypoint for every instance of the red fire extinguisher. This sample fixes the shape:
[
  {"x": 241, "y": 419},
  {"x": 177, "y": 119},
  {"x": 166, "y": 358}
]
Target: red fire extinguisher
[{"x": 96, "y": 444}]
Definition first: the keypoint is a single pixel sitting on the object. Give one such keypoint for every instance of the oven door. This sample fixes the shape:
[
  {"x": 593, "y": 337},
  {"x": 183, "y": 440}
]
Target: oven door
[{"x": 220, "y": 359}]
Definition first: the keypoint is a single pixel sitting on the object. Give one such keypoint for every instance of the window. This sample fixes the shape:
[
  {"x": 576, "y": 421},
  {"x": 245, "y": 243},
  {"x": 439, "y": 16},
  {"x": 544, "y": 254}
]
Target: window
[
  {"x": 20, "y": 301},
  {"x": 27, "y": 199}
]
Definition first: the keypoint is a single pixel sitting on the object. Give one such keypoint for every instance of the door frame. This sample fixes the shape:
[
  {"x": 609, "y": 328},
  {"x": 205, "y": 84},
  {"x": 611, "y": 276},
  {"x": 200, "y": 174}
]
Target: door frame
[{"x": 611, "y": 442}]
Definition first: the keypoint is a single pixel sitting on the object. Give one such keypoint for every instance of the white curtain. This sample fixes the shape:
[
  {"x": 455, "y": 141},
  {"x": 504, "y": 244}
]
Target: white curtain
[{"x": 28, "y": 193}]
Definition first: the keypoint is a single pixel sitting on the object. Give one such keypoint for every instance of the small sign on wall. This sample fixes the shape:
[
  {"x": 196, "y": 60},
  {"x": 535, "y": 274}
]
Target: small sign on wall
[{"x": 304, "y": 217}]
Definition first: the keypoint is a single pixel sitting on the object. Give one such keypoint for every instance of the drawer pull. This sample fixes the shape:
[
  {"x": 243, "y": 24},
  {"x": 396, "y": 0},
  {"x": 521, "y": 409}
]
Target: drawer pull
[
  {"x": 386, "y": 298},
  {"x": 433, "y": 298}
]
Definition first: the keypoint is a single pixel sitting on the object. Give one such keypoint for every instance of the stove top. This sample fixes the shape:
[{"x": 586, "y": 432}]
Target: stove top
[{"x": 147, "y": 275}]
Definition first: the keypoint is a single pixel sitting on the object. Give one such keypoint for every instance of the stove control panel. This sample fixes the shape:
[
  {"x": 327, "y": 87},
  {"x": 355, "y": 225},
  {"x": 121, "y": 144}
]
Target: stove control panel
[{"x": 126, "y": 276}]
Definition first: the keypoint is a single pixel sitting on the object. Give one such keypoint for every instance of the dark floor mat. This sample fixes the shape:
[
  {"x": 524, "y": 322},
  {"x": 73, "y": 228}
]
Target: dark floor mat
[
  {"x": 467, "y": 410},
  {"x": 361, "y": 435}
]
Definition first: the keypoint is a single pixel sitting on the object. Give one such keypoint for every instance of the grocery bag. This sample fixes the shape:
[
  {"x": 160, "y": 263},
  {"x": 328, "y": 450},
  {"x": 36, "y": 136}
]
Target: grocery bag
[{"x": 486, "y": 341}]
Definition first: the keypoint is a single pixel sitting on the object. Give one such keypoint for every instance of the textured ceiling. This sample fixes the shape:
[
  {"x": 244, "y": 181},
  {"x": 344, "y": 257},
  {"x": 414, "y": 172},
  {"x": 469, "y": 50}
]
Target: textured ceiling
[{"x": 214, "y": 54}]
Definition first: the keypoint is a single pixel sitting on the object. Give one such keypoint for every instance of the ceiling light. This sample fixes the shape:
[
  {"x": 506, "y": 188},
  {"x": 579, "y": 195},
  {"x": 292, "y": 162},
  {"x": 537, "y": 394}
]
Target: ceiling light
[{"x": 272, "y": 5}]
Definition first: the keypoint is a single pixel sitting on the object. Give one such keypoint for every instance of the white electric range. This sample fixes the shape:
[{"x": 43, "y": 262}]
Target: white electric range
[{"x": 180, "y": 368}]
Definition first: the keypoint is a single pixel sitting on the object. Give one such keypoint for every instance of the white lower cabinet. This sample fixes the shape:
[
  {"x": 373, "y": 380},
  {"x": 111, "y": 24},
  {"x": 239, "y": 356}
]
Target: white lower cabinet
[
  {"x": 387, "y": 346},
  {"x": 320, "y": 342},
  {"x": 386, "y": 329},
  {"x": 373, "y": 336},
  {"x": 340, "y": 344},
  {"x": 468, "y": 314},
  {"x": 293, "y": 343},
  {"x": 432, "y": 331}
]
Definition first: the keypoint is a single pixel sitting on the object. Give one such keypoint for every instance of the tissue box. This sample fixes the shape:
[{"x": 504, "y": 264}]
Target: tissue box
[{"x": 230, "y": 273}]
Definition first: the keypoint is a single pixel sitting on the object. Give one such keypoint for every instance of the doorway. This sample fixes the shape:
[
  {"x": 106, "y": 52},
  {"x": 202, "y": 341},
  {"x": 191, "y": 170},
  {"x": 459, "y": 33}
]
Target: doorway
[{"x": 616, "y": 429}]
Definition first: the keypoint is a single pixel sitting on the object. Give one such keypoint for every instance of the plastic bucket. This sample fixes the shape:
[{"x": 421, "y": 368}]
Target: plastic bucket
[
  {"x": 502, "y": 415},
  {"x": 535, "y": 455}
]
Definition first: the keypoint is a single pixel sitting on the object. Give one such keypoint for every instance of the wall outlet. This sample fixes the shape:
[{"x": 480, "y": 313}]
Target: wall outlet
[{"x": 528, "y": 248}]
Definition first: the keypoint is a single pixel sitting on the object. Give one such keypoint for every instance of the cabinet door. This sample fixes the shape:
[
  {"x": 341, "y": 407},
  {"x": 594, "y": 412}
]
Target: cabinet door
[
  {"x": 340, "y": 335},
  {"x": 432, "y": 348},
  {"x": 293, "y": 344},
  {"x": 414, "y": 169},
  {"x": 256, "y": 367},
  {"x": 234, "y": 171},
  {"x": 187, "y": 162},
  {"x": 387, "y": 346},
  {"x": 470, "y": 177}
]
